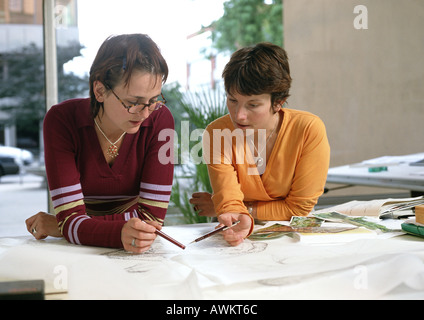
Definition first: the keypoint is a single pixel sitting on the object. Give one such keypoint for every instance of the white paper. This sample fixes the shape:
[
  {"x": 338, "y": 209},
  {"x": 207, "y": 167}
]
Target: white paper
[
  {"x": 366, "y": 208},
  {"x": 212, "y": 269}
]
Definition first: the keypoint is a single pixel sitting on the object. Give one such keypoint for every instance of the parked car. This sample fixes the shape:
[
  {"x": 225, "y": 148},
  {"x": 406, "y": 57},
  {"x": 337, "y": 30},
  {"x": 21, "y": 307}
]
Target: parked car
[
  {"x": 21, "y": 156},
  {"x": 8, "y": 166}
]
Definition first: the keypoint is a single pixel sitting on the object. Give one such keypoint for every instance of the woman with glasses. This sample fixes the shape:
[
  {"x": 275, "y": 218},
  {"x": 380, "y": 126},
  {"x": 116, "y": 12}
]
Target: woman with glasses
[
  {"x": 108, "y": 184},
  {"x": 274, "y": 165}
]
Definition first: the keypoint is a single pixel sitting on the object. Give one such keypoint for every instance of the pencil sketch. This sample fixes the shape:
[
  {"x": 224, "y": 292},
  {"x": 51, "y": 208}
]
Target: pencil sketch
[
  {"x": 163, "y": 252},
  {"x": 212, "y": 247},
  {"x": 292, "y": 280},
  {"x": 219, "y": 247}
]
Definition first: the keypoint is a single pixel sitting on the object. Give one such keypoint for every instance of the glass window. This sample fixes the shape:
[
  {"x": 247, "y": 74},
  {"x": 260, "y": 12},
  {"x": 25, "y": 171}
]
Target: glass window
[
  {"x": 15, "y": 5},
  {"x": 22, "y": 100},
  {"x": 23, "y": 104},
  {"x": 29, "y": 7}
]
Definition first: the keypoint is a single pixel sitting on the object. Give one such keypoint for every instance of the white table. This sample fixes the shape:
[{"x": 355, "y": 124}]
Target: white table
[
  {"x": 274, "y": 269},
  {"x": 399, "y": 175}
]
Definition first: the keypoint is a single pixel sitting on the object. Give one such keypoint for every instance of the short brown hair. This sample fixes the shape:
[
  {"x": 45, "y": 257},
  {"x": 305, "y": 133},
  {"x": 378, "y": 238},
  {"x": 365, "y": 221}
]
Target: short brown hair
[
  {"x": 119, "y": 56},
  {"x": 259, "y": 69}
]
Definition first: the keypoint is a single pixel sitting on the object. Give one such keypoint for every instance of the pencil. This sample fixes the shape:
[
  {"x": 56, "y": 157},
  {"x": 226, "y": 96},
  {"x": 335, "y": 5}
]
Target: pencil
[
  {"x": 209, "y": 234},
  {"x": 170, "y": 239}
]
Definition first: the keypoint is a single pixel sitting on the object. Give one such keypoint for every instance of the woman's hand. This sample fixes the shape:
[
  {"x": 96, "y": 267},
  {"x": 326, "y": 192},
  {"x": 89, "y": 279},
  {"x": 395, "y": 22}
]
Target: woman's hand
[
  {"x": 43, "y": 225},
  {"x": 137, "y": 236},
  {"x": 203, "y": 204},
  {"x": 235, "y": 235}
]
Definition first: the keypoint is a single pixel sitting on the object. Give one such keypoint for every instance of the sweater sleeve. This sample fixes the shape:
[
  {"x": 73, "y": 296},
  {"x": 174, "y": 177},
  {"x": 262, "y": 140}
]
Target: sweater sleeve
[
  {"x": 63, "y": 176},
  {"x": 157, "y": 175},
  {"x": 218, "y": 155},
  {"x": 310, "y": 174}
]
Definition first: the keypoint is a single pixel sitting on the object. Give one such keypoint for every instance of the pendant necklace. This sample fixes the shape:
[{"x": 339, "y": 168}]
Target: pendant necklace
[
  {"x": 112, "y": 150},
  {"x": 259, "y": 159}
]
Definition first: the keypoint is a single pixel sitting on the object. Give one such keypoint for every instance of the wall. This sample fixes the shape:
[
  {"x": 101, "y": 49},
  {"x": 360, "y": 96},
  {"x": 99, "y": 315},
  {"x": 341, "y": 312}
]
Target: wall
[{"x": 367, "y": 85}]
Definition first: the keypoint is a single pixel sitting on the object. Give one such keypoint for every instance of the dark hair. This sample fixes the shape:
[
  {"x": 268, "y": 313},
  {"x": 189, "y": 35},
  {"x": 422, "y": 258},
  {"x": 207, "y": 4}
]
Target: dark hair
[
  {"x": 118, "y": 57},
  {"x": 259, "y": 69}
]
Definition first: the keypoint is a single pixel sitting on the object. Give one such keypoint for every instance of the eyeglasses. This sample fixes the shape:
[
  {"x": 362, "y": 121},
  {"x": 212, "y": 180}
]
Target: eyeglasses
[{"x": 138, "y": 107}]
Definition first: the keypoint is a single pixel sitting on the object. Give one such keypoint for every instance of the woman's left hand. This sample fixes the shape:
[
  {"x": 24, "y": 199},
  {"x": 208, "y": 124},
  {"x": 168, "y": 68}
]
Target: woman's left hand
[
  {"x": 43, "y": 225},
  {"x": 235, "y": 235}
]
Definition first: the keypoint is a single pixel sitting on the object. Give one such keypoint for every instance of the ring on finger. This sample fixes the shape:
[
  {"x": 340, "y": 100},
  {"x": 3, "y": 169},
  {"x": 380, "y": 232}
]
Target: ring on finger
[
  {"x": 34, "y": 231},
  {"x": 133, "y": 243}
]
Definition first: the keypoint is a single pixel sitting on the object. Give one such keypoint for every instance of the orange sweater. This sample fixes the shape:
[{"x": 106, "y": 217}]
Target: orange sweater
[{"x": 295, "y": 174}]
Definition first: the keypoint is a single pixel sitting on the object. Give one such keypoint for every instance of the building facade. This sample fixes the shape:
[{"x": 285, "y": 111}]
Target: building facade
[{"x": 21, "y": 25}]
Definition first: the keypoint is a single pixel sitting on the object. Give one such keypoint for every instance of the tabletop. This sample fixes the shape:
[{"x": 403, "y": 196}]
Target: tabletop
[
  {"x": 281, "y": 268},
  {"x": 397, "y": 173}
]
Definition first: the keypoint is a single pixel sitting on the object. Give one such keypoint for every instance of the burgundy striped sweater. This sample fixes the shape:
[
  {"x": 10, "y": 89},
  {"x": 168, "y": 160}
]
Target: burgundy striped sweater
[{"x": 92, "y": 201}]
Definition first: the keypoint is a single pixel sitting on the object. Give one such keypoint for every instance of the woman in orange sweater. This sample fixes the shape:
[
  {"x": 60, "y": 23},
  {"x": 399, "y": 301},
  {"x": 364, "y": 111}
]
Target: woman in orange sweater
[{"x": 264, "y": 161}]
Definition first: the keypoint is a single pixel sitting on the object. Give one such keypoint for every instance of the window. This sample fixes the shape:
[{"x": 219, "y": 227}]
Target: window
[{"x": 15, "y": 6}]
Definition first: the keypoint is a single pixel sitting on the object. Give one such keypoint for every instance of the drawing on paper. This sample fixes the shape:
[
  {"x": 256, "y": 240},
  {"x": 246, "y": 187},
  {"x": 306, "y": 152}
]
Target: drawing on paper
[{"x": 163, "y": 252}]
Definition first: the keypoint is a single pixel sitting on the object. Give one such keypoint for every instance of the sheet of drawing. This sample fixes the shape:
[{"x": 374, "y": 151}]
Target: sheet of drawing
[
  {"x": 216, "y": 263},
  {"x": 383, "y": 277},
  {"x": 201, "y": 270},
  {"x": 180, "y": 263},
  {"x": 358, "y": 208},
  {"x": 285, "y": 261},
  {"x": 51, "y": 262},
  {"x": 365, "y": 208}
]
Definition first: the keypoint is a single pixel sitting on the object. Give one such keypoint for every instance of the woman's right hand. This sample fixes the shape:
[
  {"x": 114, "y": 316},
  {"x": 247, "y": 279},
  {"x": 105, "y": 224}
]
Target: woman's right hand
[
  {"x": 236, "y": 235},
  {"x": 43, "y": 225},
  {"x": 203, "y": 204},
  {"x": 137, "y": 236}
]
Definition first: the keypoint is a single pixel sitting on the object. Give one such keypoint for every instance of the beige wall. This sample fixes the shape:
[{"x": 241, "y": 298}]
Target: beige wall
[{"x": 366, "y": 85}]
